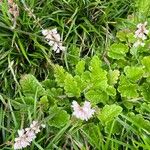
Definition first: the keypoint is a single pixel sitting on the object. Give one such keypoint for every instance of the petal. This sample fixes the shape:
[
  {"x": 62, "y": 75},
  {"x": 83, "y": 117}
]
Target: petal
[
  {"x": 54, "y": 31},
  {"x": 21, "y": 132},
  {"x": 45, "y": 32}
]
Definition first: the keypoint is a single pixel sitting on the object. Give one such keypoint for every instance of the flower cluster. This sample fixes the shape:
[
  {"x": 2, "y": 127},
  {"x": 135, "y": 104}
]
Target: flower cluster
[
  {"x": 27, "y": 135},
  {"x": 54, "y": 40},
  {"x": 85, "y": 112},
  {"x": 141, "y": 34},
  {"x": 14, "y": 11}
]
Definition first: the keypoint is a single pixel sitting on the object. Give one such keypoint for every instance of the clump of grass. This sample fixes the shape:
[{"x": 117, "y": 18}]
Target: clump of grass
[{"x": 83, "y": 25}]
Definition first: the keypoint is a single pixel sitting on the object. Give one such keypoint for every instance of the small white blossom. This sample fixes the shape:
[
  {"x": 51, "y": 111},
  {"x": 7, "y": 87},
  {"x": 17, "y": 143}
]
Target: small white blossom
[
  {"x": 138, "y": 43},
  {"x": 21, "y": 141},
  {"x": 141, "y": 32},
  {"x": 27, "y": 135},
  {"x": 85, "y": 112},
  {"x": 54, "y": 39},
  {"x": 35, "y": 126}
]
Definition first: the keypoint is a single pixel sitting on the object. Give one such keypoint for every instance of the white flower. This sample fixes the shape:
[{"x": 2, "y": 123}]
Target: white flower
[
  {"x": 22, "y": 140},
  {"x": 141, "y": 32},
  {"x": 138, "y": 43},
  {"x": 27, "y": 135},
  {"x": 35, "y": 126},
  {"x": 84, "y": 113},
  {"x": 30, "y": 134},
  {"x": 54, "y": 39}
]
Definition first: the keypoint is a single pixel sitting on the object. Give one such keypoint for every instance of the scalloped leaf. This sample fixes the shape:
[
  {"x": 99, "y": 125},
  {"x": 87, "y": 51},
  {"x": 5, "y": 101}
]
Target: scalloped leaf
[
  {"x": 60, "y": 75},
  {"x": 127, "y": 89},
  {"x": 80, "y": 67},
  {"x": 146, "y": 62},
  {"x": 113, "y": 76},
  {"x": 97, "y": 96},
  {"x": 58, "y": 117},
  {"x": 145, "y": 88},
  {"x": 109, "y": 112},
  {"x": 118, "y": 51},
  {"x": 134, "y": 73},
  {"x": 71, "y": 86},
  {"x": 98, "y": 75},
  {"x": 94, "y": 136},
  {"x": 140, "y": 122},
  {"x": 73, "y": 56},
  {"x": 111, "y": 91},
  {"x": 31, "y": 86}
]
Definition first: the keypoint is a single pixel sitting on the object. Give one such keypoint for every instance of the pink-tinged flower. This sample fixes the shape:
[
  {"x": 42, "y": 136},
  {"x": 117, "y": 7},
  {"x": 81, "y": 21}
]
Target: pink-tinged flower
[
  {"x": 35, "y": 126},
  {"x": 141, "y": 32},
  {"x": 27, "y": 135},
  {"x": 30, "y": 134},
  {"x": 85, "y": 112},
  {"x": 21, "y": 141},
  {"x": 54, "y": 40}
]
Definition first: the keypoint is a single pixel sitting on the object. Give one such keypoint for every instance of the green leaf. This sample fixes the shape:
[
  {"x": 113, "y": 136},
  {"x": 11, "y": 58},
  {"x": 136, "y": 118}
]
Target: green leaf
[
  {"x": 82, "y": 84},
  {"x": 127, "y": 89},
  {"x": 144, "y": 108},
  {"x": 73, "y": 56},
  {"x": 113, "y": 76},
  {"x": 98, "y": 75},
  {"x": 121, "y": 35},
  {"x": 48, "y": 83},
  {"x": 116, "y": 127},
  {"x": 109, "y": 112},
  {"x": 80, "y": 67},
  {"x": 143, "y": 6},
  {"x": 146, "y": 62},
  {"x": 134, "y": 73},
  {"x": 95, "y": 64},
  {"x": 118, "y": 51},
  {"x": 140, "y": 122},
  {"x": 44, "y": 102},
  {"x": 60, "y": 75},
  {"x": 97, "y": 96},
  {"x": 59, "y": 117},
  {"x": 23, "y": 103},
  {"x": 145, "y": 88},
  {"x": 31, "y": 86},
  {"x": 111, "y": 91},
  {"x": 71, "y": 86},
  {"x": 94, "y": 136}
]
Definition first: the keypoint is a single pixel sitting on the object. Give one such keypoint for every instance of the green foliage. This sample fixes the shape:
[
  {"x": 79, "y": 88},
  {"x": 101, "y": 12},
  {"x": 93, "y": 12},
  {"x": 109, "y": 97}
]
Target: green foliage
[
  {"x": 146, "y": 62},
  {"x": 59, "y": 75},
  {"x": 109, "y": 112},
  {"x": 126, "y": 88},
  {"x": 145, "y": 88},
  {"x": 113, "y": 76},
  {"x": 139, "y": 121},
  {"x": 143, "y": 6},
  {"x": 97, "y": 96},
  {"x": 31, "y": 86},
  {"x": 80, "y": 67},
  {"x": 134, "y": 73},
  {"x": 58, "y": 117},
  {"x": 118, "y": 51},
  {"x": 92, "y": 81},
  {"x": 94, "y": 137},
  {"x": 23, "y": 103},
  {"x": 71, "y": 87}
]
